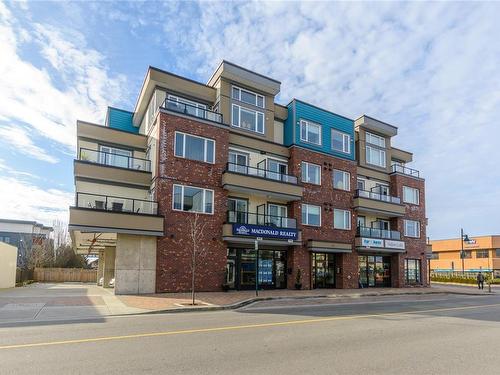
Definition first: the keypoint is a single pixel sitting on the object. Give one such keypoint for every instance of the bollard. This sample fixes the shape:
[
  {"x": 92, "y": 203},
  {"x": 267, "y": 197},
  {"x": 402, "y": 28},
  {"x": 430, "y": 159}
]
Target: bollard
[{"x": 489, "y": 287}]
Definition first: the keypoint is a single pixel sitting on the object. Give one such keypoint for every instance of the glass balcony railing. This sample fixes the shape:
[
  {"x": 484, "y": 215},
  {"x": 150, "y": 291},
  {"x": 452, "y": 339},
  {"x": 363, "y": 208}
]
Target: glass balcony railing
[
  {"x": 191, "y": 110},
  {"x": 243, "y": 217},
  {"x": 378, "y": 233},
  {"x": 405, "y": 170},
  {"x": 116, "y": 204},
  {"x": 263, "y": 173},
  {"x": 114, "y": 160},
  {"x": 377, "y": 196}
]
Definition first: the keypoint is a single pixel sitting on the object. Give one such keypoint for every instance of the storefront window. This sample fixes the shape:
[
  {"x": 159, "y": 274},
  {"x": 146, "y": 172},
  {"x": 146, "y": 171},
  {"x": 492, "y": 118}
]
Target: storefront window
[{"x": 412, "y": 271}]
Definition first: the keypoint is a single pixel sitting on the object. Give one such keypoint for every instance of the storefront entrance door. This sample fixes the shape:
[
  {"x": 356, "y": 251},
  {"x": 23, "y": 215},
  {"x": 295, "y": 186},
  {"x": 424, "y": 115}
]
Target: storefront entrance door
[
  {"x": 323, "y": 270},
  {"x": 374, "y": 270}
]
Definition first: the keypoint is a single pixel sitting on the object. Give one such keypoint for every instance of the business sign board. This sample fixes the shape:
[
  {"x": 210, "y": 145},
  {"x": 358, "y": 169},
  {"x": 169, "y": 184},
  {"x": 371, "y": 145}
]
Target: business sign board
[
  {"x": 391, "y": 244},
  {"x": 372, "y": 242},
  {"x": 265, "y": 231}
]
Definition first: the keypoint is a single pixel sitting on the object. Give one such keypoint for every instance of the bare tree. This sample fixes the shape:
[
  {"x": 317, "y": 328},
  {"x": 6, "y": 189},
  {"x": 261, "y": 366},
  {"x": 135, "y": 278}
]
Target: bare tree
[
  {"x": 196, "y": 229},
  {"x": 61, "y": 237}
]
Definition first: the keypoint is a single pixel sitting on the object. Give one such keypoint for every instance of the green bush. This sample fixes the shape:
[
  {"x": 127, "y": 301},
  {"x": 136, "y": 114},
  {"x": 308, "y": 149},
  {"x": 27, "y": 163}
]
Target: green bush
[{"x": 462, "y": 279}]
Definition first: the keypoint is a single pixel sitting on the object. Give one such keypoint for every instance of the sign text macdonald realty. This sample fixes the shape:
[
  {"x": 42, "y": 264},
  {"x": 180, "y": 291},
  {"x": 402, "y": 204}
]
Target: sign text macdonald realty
[{"x": 264, "y": 231}]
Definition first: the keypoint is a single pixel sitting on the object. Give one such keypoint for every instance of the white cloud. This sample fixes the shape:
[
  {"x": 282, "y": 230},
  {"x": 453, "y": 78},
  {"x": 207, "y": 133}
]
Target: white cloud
[{"x": 20, "y": 141}]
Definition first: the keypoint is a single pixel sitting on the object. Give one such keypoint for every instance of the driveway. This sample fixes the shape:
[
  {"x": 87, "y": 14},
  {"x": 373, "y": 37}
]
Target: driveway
[{"x": 48, "y": 301}]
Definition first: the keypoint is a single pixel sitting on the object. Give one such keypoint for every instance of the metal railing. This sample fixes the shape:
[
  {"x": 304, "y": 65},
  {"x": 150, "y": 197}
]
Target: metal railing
[
  {"x": 378, "y": 233},
  {"x": 115, "y": 160},
  {"x": 263, "y": 173},
  {"x": 116, "y": 204},
  {"x": 377, "y": 196},
  {"x": 191, "y": 110},
  {"x": 244, "y": 217},
  {"x": 405, "y": 170}
]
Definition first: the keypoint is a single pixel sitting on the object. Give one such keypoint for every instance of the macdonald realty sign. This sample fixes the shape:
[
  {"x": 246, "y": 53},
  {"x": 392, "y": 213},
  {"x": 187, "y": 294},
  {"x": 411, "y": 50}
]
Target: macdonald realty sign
[{"x": 265, "y": 232}]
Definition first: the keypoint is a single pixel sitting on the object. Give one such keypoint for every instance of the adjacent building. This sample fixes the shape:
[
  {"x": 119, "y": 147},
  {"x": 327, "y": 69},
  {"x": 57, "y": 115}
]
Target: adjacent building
[
  {"x": 24, "y": 235},
  {"x": 223, "y": 169},
  {"x": 479, "y": 254}
]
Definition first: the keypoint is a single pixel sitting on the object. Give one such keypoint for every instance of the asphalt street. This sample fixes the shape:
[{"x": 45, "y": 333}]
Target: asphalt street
[{"x": 429, "y": 334}]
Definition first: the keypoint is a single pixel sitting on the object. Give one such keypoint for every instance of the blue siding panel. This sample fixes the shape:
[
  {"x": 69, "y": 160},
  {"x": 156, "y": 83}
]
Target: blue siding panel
[
  {"x": 121, "y": 120},
  {"x": 298, "y": 110}
]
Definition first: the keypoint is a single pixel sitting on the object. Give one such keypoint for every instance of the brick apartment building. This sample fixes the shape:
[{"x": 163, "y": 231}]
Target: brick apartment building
[{"x": 312, "y": 190}]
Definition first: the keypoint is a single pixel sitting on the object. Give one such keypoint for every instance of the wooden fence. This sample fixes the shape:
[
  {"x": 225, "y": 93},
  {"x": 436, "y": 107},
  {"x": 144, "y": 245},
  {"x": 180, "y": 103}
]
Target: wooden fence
[{"x": 59, "y": 275}]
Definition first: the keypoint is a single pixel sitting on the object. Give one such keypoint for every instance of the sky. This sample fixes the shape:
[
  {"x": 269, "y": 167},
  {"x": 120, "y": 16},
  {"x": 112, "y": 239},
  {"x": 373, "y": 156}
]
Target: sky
[{"x": 430, "y": 68}]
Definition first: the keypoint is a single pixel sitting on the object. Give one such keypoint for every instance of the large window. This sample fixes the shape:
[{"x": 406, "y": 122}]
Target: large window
[
  {"x": 341, "y": 219},
  {"x": 248, "y": 97},
  {"x": 412, "y": 271},
  {"x": 341, "y": 180},
  {"x": 311, "y": 173},
  {"x": 482, "y": 254},
  {"x": 310, "y": 132},
  {"x": 412, "y": 228},
  {"x": 375, "y": 140},
  {"x": 341, "y": 142},
  {"x": 410, "y": 195},
  {"x": 193, "y": 199},
  {"x": 195, "y": 148},
  {"x": 375, "y": 156},
  {"x": 497, "y": 253},
  {"x": 247, "y": 119},
  {"x": 311, "y": 215}
]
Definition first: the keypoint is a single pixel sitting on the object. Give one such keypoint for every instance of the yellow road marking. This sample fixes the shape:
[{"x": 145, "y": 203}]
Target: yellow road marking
[{"x": 246, "y": 326}]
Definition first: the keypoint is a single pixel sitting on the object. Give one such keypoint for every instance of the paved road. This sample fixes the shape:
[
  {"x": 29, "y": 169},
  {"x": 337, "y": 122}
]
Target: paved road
[{"x": 439, "y": 334}]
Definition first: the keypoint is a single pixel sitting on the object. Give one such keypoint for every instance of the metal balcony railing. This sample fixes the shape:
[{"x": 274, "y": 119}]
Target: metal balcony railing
[
  {"x": 115, "y": 160},
  {"x": 405, "y": 170},
  {"x": 377, "y": 196},
  {"x": 191, "y": 110},
  {"x": 244, "y": 217},
  {"x": 263, "y": 173},
  {"x": 378, "y": 233},
  {"x": 116, "y": 204}
]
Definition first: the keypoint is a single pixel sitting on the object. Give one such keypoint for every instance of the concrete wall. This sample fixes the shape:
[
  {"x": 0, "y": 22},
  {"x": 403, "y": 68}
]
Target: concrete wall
[
  {"x": 135, "y": 264},
  {"x": 8, "y": 259}
]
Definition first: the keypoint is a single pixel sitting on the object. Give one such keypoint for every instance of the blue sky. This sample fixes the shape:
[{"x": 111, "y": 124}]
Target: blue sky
[{"x": 432, "y": 69}]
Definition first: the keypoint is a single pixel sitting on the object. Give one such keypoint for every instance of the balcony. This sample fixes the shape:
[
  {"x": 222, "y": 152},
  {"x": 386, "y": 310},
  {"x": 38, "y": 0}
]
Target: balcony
[
  {"x": 114, "y": 160},
  {"x": 378, "y": 233},
  {"x": 110, "y": 214},
  {"x": 379, "y": 240},
  {"x": 191, "y": 110},
  {"x": 397, "y": 168},
  {"x": 375, "y": 202},
  {"x": 258, "y": 181},
  {"x": 243, "y": 217}
]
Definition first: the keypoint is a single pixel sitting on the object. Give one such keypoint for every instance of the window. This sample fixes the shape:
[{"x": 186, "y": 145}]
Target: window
[
  {"x": 188, "y": 106},
  {"x": 311, "y": 215},
  {"x": 341, "y": 142},
  {"x": 467, "y": 254},
  {"x": 375, "y": 156},
  {"x": 310, "y": 132},
  {"x": 193, "y": 199},
  {"x": 194, "y": 148},
  {"x": 311, "y": 173},
  {"x": 247, "y": 119},
  {"x": 497, "y": 253},
  {"x": 410, "y": 195},
  {"x": 341, "y": 180},
  {"x": 360, "y": 184},
  {"x": 435, "y": 256},
  {"x": 248, "y": 97},
  {"x": 482, "y": 254},
  {"x": 341, "y": 219},
  {"x": 412, "y": 271},
  {"x": 375, "y": 140},
  {"x": 412, "y": 228},
  {"x": 5, "y": 239}
]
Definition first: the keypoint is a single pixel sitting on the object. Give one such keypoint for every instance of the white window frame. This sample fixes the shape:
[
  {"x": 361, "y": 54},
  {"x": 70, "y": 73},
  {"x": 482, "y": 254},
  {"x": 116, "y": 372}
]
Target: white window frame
[
  {"x": 206, "y": 140},
  {"x": 413, "y": 235},
  {"x": 346, "y": 180},
  {"x": 368, "y": 149},
  {"x": 346, "y": 141},
  {"x": 305, "y": 209},
  {"x": 256, "y": 104},
  {"x": 409, "y": 193},
  {"x": 182, "y": 201},
  {"x": 308, "y": 123},
  {"x": 305, "y": 169},
  {"x": 257, "y": 113},
  {"x": 379, "y": 141},
  {"x": 346, "y": 218}
]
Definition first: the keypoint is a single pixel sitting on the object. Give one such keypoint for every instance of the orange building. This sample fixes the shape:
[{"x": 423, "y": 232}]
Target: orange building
[{"x": 481, "y": 254}]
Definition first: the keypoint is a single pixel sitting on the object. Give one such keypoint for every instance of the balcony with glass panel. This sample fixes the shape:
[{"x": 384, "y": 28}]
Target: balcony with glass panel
[
  {"x": 379, "y": 202},
  {"x": 401, "y": 169},
  {"x": 192, "y": 110},
  {"x": 378, "y": 240}
]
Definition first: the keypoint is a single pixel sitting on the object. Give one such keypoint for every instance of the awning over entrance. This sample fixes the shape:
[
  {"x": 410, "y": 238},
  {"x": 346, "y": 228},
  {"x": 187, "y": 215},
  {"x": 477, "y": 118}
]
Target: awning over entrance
[{"x": 328, "y": 247}]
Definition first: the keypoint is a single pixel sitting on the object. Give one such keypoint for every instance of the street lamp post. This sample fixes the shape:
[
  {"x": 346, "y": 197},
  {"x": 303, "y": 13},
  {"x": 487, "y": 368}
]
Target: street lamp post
[{"x": 463, "y": 238}]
